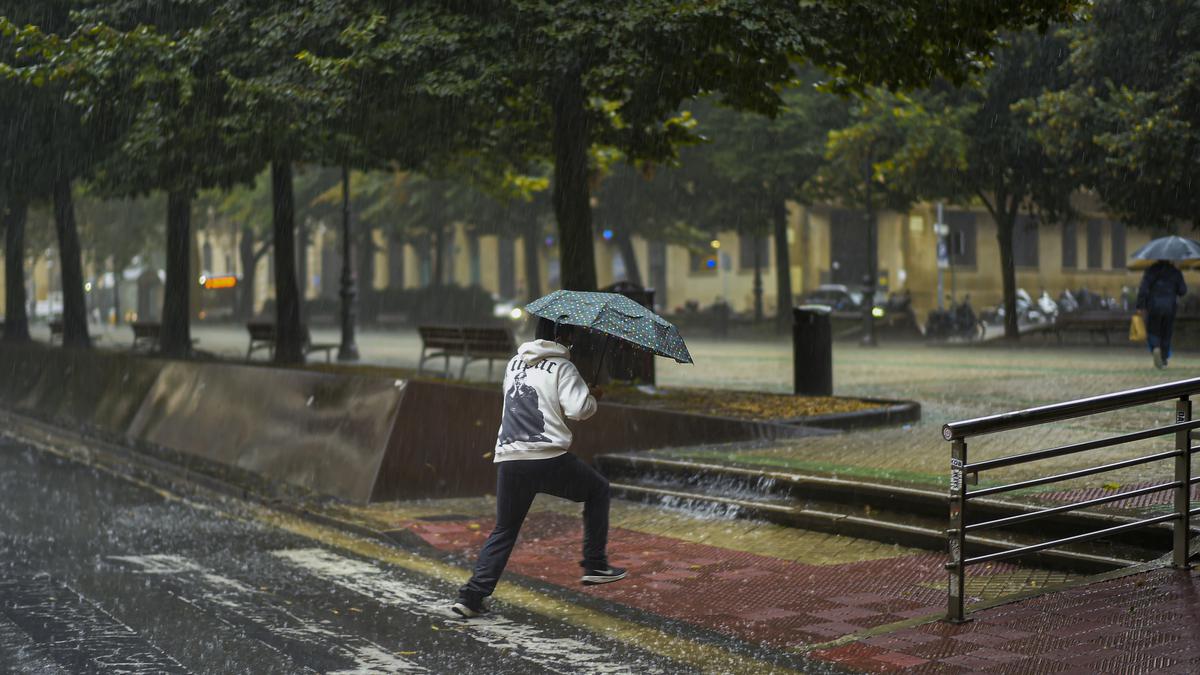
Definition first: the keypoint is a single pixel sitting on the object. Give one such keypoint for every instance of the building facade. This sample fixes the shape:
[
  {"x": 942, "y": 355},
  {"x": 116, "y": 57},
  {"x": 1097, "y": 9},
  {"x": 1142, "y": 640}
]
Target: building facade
[{"x": 826, "y": 245}]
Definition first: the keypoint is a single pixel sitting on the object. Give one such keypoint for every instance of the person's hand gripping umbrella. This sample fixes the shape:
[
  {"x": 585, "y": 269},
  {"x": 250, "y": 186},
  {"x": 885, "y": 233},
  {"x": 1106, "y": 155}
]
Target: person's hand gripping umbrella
[{"x": 616, "y": 316}]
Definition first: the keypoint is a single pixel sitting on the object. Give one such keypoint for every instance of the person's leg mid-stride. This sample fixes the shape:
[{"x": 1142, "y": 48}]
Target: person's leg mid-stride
[{"x": 542, "y": 389}]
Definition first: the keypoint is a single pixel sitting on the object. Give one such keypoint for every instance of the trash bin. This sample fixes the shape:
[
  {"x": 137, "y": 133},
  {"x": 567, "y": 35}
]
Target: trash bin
[
  {"x": 621, "y": 361},
  {"x": 812, "y": 350}
]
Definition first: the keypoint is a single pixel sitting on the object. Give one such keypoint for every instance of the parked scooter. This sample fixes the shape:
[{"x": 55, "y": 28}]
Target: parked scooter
[
  {"x": 1047, "y": 309},
  {"x": 1067, "y": 304}
]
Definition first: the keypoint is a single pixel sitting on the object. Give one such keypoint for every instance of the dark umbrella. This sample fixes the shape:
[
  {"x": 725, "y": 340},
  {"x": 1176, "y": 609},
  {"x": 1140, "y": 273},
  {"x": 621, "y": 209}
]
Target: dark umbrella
[
  {"x": 616, "y": 316},
  {"x": 1165, "y": 248}
]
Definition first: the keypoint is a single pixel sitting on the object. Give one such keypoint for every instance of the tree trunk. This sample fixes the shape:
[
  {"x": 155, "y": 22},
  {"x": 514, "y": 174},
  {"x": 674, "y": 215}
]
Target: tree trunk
[
  {"x": 302, "y": 265},
  {"x": 629, "y": 256},
  {"x": 194, "y": 266},
  {"x": 16, "y": 323},
  {"x": 75, "y": 326},
  {"x": 439, "y": 255},
  {"x": 783, "y": 269},
  {"x": 348, "y": 349},
  {"x": 872, "y": 255},
  {"x": 249, "y": 274},
  {"x": 1008, "y": 273},
  {"x": 533, "y": 262},
  {"x": 758, "y": 285},
  {"x": 368, "y": 304},
  {"x": 116, "y": 293},
  {"x": 572, "y": 197},
  {"x": 289, "y": 338},
  {"x": 176, "y": 338}
]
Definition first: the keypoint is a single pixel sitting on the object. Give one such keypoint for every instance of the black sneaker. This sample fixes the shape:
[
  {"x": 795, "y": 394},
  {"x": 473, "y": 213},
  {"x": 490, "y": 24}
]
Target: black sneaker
[
  {"x": 466, "y": 611},
  {"x": 604, "y": 576}
]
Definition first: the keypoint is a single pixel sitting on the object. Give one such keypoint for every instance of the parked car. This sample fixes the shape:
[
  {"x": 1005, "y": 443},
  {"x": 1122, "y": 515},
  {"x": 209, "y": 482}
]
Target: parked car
[
  {"x": 842, "y": 298},
  {"x": 838, "y": 297}
]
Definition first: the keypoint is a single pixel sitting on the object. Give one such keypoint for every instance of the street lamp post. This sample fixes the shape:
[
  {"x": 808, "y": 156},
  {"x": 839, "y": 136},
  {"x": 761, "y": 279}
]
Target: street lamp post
[
  {"x": 348, "y": 350},
  {"x": 868, "y": 338}
]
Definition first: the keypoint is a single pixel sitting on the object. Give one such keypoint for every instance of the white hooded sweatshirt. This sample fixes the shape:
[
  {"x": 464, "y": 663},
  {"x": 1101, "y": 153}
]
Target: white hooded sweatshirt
[{"x": 542, "y": 390}]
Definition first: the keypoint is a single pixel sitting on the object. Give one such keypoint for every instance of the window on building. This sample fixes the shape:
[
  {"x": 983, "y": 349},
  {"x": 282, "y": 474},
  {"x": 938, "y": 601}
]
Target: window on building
[
  {"x": 507, "y": 256},
  {"x": 963, "y": 232},
  {"x": 746, "y": 244},
  {"x": 1025, "y": 242},
  {"x": 396, "y": 275},
  {"x": 473, "y": 254},
  {"x": 847, "y": 253},
  {"x": 1070, "y": 248},
  {"x": 331, "y": 268},
  {"x": 424, "y": 262},
  {"x": 208, "y": 256},
  {"x": 704, "y": 259},
  {"x": 1095, "y": 244},
  {"x": 1118, "y": 245},
  {"x": 657, "y": 254}
]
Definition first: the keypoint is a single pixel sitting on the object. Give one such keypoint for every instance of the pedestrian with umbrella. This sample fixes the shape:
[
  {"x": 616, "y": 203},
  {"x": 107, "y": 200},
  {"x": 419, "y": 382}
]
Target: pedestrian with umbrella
[
  {"x": 1162, "y": 284},
  {"x": 542, "y": 390}
]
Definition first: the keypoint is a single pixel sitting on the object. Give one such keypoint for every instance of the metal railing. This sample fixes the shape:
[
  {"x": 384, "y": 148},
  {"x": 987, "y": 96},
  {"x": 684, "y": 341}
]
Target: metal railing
[{"x": 960, "y": 468}]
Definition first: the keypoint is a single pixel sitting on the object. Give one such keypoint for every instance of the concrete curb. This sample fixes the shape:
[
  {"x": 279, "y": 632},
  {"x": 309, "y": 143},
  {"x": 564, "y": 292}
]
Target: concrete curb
[{"x": 892, "y": 412}]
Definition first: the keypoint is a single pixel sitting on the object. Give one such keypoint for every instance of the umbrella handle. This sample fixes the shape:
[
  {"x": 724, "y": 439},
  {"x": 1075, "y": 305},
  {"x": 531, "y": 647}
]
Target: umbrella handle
[{"x": 600, "y": 363}]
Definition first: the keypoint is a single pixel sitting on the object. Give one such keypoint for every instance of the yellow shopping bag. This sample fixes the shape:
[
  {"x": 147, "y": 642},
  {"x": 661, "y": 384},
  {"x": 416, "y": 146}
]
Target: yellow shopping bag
[{"x": 1137, "y": 329}]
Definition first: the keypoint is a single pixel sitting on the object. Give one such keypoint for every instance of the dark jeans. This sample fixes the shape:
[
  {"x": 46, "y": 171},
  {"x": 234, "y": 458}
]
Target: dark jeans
[
  {"x": 1159, "y": 327},
  {"x": 517, "y": 482}
]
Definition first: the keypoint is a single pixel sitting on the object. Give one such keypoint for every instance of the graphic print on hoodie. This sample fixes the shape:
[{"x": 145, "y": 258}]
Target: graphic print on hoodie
[
  {"x": 522, "y": 420},
  {"x": 542, "y": 390}
]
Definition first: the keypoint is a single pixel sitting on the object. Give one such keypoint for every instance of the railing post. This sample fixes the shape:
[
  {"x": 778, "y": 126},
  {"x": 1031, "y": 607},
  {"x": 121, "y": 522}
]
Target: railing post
[
  {"x": 955, "y": 612},
  {"x": 1183, "y": 475}
]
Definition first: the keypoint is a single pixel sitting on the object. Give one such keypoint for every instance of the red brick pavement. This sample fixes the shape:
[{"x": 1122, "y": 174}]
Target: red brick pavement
[
  {"x": 1146, "y": 622},
  {"x": 1143, "y": 623},
  {"x": 776, "y": 602}
]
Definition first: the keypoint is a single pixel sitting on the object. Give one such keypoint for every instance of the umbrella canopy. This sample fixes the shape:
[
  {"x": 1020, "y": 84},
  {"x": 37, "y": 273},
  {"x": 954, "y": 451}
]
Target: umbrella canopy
[
  {"x": 1165, "y": 248},
  {"x": 614, "y": 315}
]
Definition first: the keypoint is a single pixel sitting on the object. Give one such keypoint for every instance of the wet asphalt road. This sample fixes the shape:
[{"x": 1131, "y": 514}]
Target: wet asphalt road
[{"x": 98, "y": 574}]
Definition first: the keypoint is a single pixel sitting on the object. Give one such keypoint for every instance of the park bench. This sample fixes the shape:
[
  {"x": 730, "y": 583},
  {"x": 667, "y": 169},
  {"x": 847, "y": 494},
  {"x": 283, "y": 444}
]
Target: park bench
[
  {"x": 468, "y": 343},
  {"x": 1093, "y": 322},
  {"x": 262, "y": 337},
  {"x": 145, "y": 335},
  {"x": 56, "y": 331}
]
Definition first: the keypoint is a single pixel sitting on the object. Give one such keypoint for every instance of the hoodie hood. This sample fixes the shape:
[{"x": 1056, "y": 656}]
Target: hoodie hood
[{"x": 537, "y": 350}]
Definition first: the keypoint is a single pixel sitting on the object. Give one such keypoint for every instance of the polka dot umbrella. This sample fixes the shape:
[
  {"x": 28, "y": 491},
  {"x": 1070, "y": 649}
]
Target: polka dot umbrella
[{"x": 616, "y": 316}]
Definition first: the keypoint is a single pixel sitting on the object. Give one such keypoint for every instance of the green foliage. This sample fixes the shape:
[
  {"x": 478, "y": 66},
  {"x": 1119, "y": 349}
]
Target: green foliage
[
  {"x": 120, "y": 229},
  {"x": 1125, "y": 120},
  {"x": 895, "y": 150}
]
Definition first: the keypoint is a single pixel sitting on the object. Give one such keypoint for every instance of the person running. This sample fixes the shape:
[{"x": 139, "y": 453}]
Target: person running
[
  {"x": 542, "y": 389},
  {"x": 1162, "y": 283}
]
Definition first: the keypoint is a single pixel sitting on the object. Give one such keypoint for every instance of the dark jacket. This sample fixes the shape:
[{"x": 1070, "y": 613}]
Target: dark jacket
[{"x": 1161, "y": 285}]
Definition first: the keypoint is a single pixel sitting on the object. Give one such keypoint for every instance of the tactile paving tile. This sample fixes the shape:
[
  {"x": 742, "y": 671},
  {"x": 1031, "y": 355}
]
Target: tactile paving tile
[
  {"x": 1140, "y": 623},
  {"x": 1160, "y": 498}
]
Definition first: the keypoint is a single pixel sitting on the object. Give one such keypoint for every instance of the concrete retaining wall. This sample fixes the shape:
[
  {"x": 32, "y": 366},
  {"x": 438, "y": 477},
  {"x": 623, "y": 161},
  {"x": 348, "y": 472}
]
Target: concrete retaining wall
[{"x": 357, "y": 437}]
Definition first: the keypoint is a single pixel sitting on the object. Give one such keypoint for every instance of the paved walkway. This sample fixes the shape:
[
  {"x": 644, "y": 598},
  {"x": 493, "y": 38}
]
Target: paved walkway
[
  {"x": 864, "y": 605},
  {"x": 774, "y": 585}
]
